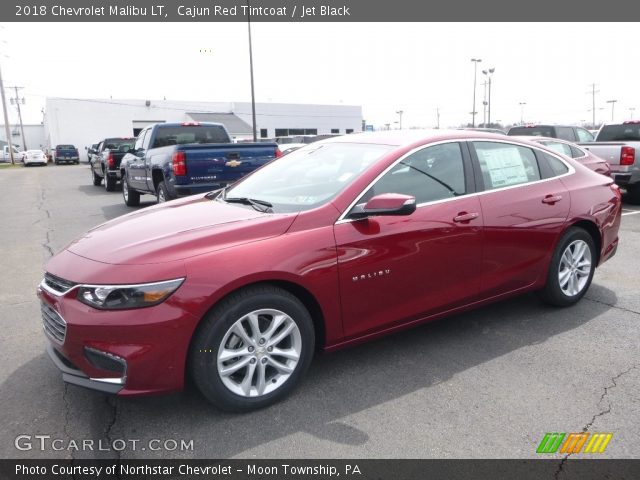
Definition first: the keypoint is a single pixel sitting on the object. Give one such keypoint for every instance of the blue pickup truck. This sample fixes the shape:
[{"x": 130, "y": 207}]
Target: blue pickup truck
[{"x": 170, "y": 160}]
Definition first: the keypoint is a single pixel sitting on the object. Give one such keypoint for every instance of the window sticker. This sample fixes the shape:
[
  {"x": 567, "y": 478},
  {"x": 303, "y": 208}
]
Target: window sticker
[{"x": 505, "y": 166}]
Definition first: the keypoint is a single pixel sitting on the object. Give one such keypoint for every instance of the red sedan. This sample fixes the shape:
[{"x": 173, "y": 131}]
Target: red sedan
[{"x": 339, "y": 242}]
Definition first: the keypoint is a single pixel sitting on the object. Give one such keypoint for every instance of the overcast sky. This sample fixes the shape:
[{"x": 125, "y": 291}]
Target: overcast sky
[{"x": 384, "y": 67}]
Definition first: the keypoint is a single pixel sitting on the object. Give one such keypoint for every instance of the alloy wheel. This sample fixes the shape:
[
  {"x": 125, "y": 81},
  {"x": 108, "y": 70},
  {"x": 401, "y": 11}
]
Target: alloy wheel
[
  {"x": 574, "y": 268},
  {"x": 259, "y": 352}
]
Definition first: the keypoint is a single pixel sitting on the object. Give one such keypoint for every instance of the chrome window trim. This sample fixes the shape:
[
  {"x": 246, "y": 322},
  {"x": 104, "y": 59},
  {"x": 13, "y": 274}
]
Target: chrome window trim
[
  {"x": 571, "y": 171},
  {"x": 46, "y": 287}
]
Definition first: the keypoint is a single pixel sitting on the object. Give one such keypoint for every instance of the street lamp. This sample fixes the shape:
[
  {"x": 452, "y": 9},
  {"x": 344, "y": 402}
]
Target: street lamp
[
  {"x": 489, "y": 73},
  {"x": 400, "y": 112},
  {"x": 631, "y": 109},
  {"x": 522, "y": 104},
  {"x": 612, "y": 102},
  {"x": 253, "y": 95},
  {"x": 475, "y": 73}
]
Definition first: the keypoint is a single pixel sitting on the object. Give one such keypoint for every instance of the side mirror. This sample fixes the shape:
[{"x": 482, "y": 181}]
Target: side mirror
[{"x": 386, "y": 204}]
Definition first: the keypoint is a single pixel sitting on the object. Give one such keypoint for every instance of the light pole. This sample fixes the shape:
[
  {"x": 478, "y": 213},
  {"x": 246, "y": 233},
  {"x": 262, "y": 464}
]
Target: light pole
[
  {"x": 400, "y": 112},
  {"x": 612, "y": 102},
  {"x": 522, "y": 104},
  {"x": 475, "y": 61},
  {"x": 253, "y": 95},
  {"x": 489, "y": 73},
  {"x": 631, "y": 109}
]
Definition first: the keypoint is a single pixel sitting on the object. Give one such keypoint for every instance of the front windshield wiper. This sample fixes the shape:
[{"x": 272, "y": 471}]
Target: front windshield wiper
[{"x": 259, "y": 205}]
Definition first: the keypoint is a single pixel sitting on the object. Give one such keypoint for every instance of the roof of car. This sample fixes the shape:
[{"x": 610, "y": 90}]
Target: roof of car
[{"x": 408, "y": 137}]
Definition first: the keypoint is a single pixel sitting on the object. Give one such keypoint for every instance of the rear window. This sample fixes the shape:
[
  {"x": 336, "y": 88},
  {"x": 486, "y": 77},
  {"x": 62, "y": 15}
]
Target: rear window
[
  {"x": 185, "y": 134},
  {"x": 120, "y": 144},
  {"x": 65, "y": 147},
  {"x": 620, "y": 133},
  {"x": 532, "y": 131}
]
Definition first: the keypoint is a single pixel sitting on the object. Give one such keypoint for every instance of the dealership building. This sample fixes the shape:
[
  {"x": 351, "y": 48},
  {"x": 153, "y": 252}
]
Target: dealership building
[{"x": 82, "y": 122}]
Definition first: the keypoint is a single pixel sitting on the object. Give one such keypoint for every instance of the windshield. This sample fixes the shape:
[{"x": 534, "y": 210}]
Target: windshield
[
  {"x": 532, "y": 131},
  {"x": 310, "y": 176},
  {"x": 620, "y": 133}
]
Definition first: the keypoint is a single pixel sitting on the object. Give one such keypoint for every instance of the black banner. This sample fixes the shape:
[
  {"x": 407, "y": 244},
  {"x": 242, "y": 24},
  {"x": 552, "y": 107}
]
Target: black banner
[
  {"x": 534, "y": 469},
  {"x": 312, "y": 11}
]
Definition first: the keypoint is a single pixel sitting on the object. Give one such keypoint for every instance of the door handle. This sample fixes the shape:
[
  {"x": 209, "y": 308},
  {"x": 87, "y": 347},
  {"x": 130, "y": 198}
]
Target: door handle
[
  {"x": 551, "y": 199},
  {"x": 463, "y": 217}
]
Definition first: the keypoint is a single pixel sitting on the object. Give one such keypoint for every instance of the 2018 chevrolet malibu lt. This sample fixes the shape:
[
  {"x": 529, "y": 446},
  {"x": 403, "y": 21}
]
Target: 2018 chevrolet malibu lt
[{"x": 336, "y": 243}]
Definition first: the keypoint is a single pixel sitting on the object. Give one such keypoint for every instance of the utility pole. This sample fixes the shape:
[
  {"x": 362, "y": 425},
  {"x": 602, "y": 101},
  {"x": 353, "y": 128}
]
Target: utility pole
[
  {"x": 475, "y": 61},
  {"x": 613, "y": 103},
  {"x": 438, "y": 117},
  {"x": 593, "y": 102},
  {"x": 17, "y": 100},
  {"x": 253, "y": 95},
  {"x": 400, "y": 112},
  {"x": 7, "y": 128},
  {"x": 522, "y": 104},
  {"x": 484, "y": 104}
]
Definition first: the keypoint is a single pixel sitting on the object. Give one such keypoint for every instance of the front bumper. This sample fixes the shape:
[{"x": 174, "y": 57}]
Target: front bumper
[{"x": 151, "y": 344}]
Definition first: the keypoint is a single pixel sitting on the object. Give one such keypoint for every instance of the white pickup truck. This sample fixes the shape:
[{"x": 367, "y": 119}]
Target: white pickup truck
[
  {"x": 619, "y": 144},
  {"x": 6, "y": 157}
]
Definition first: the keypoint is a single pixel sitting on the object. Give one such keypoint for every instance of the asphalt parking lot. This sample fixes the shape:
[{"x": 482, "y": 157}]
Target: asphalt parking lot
[{"x": 486, "y": 384}]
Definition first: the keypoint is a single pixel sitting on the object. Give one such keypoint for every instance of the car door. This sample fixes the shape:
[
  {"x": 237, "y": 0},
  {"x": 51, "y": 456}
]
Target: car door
[
  {"x": 136, "y": 163},
  {"x": 524, "y": 207},
  {"x": 396, "y": 269},
  {"x": 96, "y": 159}
]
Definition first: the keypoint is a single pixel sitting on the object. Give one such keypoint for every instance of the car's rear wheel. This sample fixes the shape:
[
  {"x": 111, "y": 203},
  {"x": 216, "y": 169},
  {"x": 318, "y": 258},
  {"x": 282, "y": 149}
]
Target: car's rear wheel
[
  {"x": 131, "y": 197},
  {"x": 252, "y": 349},
  {"x": 96, "y": 179},
  {"x": 571, "y": 270},
  {"x": 633, "y": 194},
  {"x": 162, "y": 193},
  {"x": 109, "y": 182}
]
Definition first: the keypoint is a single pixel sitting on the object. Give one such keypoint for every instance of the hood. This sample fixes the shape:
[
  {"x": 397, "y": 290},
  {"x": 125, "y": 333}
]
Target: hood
[{"x": 177, "y": 230}]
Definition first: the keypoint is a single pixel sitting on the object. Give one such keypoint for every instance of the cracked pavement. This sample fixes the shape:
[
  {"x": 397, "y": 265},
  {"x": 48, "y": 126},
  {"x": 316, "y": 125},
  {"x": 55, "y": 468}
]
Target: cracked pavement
[{"x": 485, "y": 384}]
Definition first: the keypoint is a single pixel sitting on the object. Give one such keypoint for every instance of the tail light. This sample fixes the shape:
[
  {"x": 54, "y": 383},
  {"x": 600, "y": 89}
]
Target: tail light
[
  {"x": 627, "y": 155},
  {"x": 278, "y": 152},
  {"x": 179, "y": 163},
  {"x": 111, "y": 162}
]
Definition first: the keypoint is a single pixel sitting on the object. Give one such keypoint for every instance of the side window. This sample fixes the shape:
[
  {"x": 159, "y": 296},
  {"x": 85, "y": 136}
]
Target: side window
[
  {"x": 584, "y": 135},
  {"x": 505, "y": 164},
  {"x": 558, "y": 167},
  {"x": 147, "y": 140},
  {"x": 559, "y": 147},
  {"x": 433, "y": 173},
  {"x": 565, "y": 133},
  {"x": 140, "y": 140},
  {"x": 577, "y": 153}
]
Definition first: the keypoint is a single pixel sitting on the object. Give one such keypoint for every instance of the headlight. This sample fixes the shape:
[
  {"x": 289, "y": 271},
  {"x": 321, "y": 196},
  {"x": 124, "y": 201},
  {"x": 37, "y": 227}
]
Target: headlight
[{"x": 120, "y": 297}]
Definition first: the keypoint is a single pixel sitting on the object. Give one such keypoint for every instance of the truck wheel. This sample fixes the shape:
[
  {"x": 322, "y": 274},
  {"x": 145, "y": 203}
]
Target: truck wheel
[
  {"x": 131, "y": 197},
  {"x": 633, "y": 194},
  {"x": 96, "y": 179},
  {"x": 109, "y": 183},
  {"x": 571, "y": 269},
  {"x": 252, "y": 349},
  {"x": 162, "y": 193}
]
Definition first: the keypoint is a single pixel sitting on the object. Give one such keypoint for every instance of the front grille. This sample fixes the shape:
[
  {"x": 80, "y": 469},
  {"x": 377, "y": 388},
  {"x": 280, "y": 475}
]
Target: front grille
[
  {"x": 58, "y": 284},
  {"x": 53, "y": 324}
]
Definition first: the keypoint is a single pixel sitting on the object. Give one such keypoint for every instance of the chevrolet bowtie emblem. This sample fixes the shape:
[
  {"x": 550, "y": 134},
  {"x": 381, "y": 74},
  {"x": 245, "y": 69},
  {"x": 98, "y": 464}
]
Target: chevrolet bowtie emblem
[{"x": 233, "y": 163}]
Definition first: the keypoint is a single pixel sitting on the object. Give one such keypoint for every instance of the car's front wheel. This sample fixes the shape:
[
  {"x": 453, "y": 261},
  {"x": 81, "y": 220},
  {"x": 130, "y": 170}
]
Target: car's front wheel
[
  {"x": 252, "y": 349},
  {"x": 571, "y": 269},
  {"x": 131, "y": 197},
  {"x": 95, "y": 178}
]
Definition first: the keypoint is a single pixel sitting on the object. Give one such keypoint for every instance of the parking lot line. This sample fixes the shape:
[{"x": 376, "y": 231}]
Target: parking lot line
[{"x": 631, "y": 212}]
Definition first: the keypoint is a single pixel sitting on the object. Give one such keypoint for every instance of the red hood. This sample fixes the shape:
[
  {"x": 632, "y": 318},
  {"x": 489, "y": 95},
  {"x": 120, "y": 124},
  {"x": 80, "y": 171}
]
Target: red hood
[{"x": 177, "y": 230}]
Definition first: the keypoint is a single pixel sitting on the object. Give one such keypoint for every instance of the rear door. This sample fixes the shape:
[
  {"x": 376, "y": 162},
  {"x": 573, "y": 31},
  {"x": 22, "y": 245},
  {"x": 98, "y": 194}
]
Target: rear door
[
  {"x": 524, "y": 207},
  {"x": 396, "y": 269}
]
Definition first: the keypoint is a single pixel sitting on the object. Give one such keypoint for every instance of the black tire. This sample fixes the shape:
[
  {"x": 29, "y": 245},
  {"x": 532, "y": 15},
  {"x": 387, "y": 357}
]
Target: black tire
[
  {"x": 162, "y": 193},
  {"x": 553, "y": 293},
  {"x": 96, "y": 179},
  {"x": 207, "y": 341},
  {"x": 633, "y": 195},
  {"x": 131, "y": 197},
  {"x": 109, "y": 182}
]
